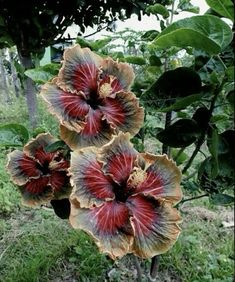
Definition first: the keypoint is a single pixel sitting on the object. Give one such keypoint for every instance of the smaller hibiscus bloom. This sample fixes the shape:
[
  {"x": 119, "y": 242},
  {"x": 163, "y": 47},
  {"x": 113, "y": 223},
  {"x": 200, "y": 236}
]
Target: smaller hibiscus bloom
[
  {"x": 125, "y": 199},
  {"x": 92, "y": 100},
  {"x": 40, "y": 175}
]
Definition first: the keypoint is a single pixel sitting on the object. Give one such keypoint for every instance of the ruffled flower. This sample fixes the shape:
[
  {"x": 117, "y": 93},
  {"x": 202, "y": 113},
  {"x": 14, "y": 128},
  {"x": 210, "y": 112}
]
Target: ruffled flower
[
  {"x": 91, "y": 98},
  {"x": 124, "y": 199},
  {"x": 40, "y": 175}
]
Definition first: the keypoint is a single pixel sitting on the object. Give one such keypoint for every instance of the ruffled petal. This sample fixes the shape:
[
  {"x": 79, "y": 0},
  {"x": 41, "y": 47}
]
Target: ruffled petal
[
  {"x": 118, "y": 157},
  {"x": 90, "y": 186},
  {"x": 96, "y": 132},
  {"x": 160, "y": 178},
  {"x": 123, "y": 112},
  {"x": 40, "y": 142},
  {"x": 122, "y": 74},
  {"x": 80, "y": 70},
  {"x": 109, "y": 225},
  {"x": 21, "y": 167},
  {"x": 155, "y": 225},
  {"x": 65, "y": 105},
  {"x": 36, "y": 191}
]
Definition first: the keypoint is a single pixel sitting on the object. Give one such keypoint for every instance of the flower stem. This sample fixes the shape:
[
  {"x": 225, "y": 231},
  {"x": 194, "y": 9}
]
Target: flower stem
[
  {"x": 138, "y": 268},
  {"x": 154, "y": 267}
]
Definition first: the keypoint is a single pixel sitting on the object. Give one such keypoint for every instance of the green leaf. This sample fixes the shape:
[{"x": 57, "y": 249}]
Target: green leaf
[
  {"x": 13, "y": 135},
  {"x": 183, "y": 103},
  {"x": 207, "y": 33},
  {"x": 223, "y": 7},
  {"x": 180, "y": 82},
  {"x": 150, "y": 35},
  {"x": 181, "y": 158},
  {"x": 158, "y": 9},
  {"x": 180, "y": 134},
  {"x": 186, "y": 6},
  {"x": 55, "y": 146},
  {"x": 221, "y": 199},
  {"x": 202, "y": 117},
  {"x": 101, "y": 43},
  {"x": 43, "y": 74},
  {"x": 83, "y": 42},
  {"x": 155, "y": 61},
  {"x": 135, "y": 60}
]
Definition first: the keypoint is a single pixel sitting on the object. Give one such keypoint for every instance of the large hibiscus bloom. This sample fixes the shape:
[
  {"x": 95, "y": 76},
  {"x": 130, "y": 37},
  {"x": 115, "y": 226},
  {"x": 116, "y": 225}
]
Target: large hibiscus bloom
[
  {"x": 40, "y": 175},
  {"x": 124, "y": 199},
  {"x": 91, "y": 98}
]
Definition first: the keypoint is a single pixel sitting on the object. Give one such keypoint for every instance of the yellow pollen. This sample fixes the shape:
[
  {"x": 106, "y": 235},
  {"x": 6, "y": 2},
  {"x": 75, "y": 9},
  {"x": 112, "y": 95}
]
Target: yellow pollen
[
  {"x": 105, "y": 90},
  {"x": 138, "y": 176}
]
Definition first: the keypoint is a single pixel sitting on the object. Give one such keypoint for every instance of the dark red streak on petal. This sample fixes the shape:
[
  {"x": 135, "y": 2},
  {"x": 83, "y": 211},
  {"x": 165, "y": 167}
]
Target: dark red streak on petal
[
  {"x": 43, "y": 157},
  {"x": 111, "y": 217},
  {"x": 93, "y": 123},
  {"x": 29, "y": 166},
  {"x": 85, "y": 78},
  {"x": 37, "y": 186},
  {"x": 75, "y": 106},
  {"x": 113, "y": 111},
  {"x": 97, "y": 183},
  {"x": 58, "y": 179},
  {"x": 152, "y": 184},
  {"x": 120, "y": 166},
  {"x": 143, "y": 213}
]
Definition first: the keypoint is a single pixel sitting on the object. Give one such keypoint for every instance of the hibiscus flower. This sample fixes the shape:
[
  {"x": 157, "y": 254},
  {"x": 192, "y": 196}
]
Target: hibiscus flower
[
  {"x": 91, "y": 98},
  {"x": 124, "y": 199},
  {"x": 40, "y": 175}
]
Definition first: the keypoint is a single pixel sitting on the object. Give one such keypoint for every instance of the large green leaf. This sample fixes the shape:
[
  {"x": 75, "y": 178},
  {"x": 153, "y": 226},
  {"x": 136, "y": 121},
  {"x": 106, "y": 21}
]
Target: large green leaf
[
  {"x": 137, "y": 60},
  {"x": 43, "y": 74},
  {"x": 223, "y": 7},
  {"x": 207, "y": 33},
  {"x": 13, "y": 135},
  {"x": 183, "y": 103},
  {"x": 180, "y": 82},
  {"x": 180, "y": 134}
]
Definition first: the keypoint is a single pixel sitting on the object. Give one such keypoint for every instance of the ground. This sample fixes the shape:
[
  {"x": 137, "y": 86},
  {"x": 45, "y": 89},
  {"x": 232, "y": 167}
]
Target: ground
[{"x": 38, "y": 246}]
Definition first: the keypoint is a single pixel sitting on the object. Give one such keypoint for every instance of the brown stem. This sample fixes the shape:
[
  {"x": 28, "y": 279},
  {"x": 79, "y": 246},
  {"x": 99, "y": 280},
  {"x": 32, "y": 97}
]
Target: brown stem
[
  {"x": 138, "y": 268},
  {"x": 154, "y": 267}
]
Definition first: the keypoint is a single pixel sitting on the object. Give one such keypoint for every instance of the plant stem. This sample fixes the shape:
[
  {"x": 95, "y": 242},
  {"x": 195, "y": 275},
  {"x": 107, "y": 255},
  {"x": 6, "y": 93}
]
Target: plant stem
[
  {"x": 179, "y": 153},
  {"x": 193, "y": 198},
  {"x": 154, "y": 267},
  {"x": 203, "y": 134},
  {"x": 138, "y": 268},
  {"x": 165, "y": 149}
]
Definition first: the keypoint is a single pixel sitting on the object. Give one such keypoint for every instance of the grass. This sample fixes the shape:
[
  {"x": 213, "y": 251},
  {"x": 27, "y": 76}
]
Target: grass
[{"x": 36, "y": 246}]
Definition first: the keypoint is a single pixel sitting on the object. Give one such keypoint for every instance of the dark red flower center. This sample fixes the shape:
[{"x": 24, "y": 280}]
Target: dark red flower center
[
  {"x": 44, "y": 168},
  {"x": 122, "y": 191}
]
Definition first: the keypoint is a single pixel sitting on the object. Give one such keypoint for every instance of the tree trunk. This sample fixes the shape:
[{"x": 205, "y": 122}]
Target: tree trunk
[
  {"x": 4, "y": 74},
  {"x": 30, "y": 89},
  {"x": 15, "y": 79}
]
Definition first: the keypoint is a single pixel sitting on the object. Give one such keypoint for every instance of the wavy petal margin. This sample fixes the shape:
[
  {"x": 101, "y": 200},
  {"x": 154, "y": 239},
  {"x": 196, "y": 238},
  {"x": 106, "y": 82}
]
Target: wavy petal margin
[
  {"x": 160, "y": 178},
  {"x": 36, "y": 192},
  {"x": 96, "y": 132},
  {"x": 108, "y": 224},
  {"x": 122, "y": 72},
  {"x": 90, "y": 186},
  {"x": 155, "y": 225},
  {"x": 41, "y": 141},
  {"x": 64, "y": 105},
  {"x": 118, "y": 157},
  {"x": 123, "y": 112},
  {"x": 79, "y": 71},
  {"x": 21, "y": 167}
]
